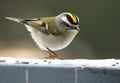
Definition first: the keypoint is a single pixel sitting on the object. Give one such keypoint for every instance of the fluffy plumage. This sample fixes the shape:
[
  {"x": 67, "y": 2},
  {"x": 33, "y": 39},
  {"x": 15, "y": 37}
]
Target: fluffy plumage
[{"x": 54, "y": 33}]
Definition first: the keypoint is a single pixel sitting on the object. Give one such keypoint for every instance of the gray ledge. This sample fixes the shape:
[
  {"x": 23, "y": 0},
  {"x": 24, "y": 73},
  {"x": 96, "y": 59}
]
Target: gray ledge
[{"x": 59, "y": 71}]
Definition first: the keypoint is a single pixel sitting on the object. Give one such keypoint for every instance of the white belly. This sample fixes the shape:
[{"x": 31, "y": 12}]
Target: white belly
[{"x": 53, "y": 42}]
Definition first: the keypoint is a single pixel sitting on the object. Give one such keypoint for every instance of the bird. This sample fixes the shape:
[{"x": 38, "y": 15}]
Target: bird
[{"x": 51, "y": 33}]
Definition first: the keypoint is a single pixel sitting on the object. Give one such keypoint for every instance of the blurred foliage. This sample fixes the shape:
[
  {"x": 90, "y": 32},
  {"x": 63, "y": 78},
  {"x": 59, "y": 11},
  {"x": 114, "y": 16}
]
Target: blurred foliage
[{"x": 99, "y": 24}]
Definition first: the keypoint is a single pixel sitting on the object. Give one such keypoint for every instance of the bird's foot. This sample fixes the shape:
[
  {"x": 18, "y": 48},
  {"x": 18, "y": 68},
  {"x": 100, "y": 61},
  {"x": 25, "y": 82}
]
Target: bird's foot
[{"x": 53, "y": 55}]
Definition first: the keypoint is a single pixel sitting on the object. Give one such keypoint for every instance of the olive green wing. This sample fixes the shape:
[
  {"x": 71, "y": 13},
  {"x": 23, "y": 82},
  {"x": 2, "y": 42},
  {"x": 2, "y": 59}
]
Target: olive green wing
[
  {"x": 43, "y": 25},
  {"x": 39, "y": 24},
  {"x": 33, "y": 22}
]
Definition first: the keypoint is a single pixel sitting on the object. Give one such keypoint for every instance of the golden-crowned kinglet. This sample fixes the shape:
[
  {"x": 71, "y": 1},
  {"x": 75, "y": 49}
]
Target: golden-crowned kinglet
[{"x": 51, "y": 33}]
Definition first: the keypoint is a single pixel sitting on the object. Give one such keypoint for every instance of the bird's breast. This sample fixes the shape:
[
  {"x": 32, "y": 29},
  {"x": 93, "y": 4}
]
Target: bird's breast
[{"x": 53, "y": 42}]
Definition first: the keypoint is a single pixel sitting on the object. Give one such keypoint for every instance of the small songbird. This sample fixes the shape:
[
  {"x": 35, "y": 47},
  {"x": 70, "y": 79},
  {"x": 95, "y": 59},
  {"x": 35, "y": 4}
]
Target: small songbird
[{"x": 51, "y": 33}]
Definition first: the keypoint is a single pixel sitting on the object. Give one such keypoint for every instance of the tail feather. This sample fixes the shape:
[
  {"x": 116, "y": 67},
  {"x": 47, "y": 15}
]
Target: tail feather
[
  {"x": 14, "y": 19},
  {"x": 22, "y": 21}
]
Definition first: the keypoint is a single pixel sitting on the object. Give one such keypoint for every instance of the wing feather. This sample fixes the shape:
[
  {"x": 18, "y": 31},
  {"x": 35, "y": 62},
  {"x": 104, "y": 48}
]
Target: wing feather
[{"x": 47, "y": 26}]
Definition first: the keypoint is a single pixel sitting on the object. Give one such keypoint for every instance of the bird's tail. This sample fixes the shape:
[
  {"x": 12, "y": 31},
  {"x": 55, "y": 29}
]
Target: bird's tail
[
  {"x": 21, "y": 21},
  {"x": 14, "y": 19}
]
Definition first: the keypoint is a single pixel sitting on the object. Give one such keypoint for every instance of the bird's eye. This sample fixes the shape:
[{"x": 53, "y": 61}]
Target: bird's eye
[{"x": 66, "y": 24}]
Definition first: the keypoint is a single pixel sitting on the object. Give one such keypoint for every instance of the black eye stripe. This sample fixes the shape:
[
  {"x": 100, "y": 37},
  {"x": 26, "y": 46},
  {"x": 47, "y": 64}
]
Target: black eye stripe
[{"x": 66, "y": 24}]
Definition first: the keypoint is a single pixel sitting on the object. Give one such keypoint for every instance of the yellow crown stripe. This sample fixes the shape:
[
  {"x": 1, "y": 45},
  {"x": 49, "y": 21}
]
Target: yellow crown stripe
[{"x": 73, "y": 17}]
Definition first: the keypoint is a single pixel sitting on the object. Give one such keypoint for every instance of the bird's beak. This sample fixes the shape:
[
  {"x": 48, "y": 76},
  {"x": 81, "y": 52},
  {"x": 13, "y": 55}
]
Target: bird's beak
[{"x": 76, "y": 28}]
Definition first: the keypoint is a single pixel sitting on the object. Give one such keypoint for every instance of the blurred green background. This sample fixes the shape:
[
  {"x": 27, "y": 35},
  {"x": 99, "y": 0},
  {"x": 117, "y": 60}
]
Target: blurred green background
[{"x": 99, "y": 24}]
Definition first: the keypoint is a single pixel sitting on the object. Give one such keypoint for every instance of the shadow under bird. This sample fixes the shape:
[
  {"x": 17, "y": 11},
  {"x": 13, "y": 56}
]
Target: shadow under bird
[{"x": 51, "y": 33}]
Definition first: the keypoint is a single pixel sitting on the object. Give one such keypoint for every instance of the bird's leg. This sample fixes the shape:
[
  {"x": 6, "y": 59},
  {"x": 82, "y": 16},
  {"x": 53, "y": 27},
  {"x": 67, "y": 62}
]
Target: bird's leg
[{"x": 53, "y": 55}]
